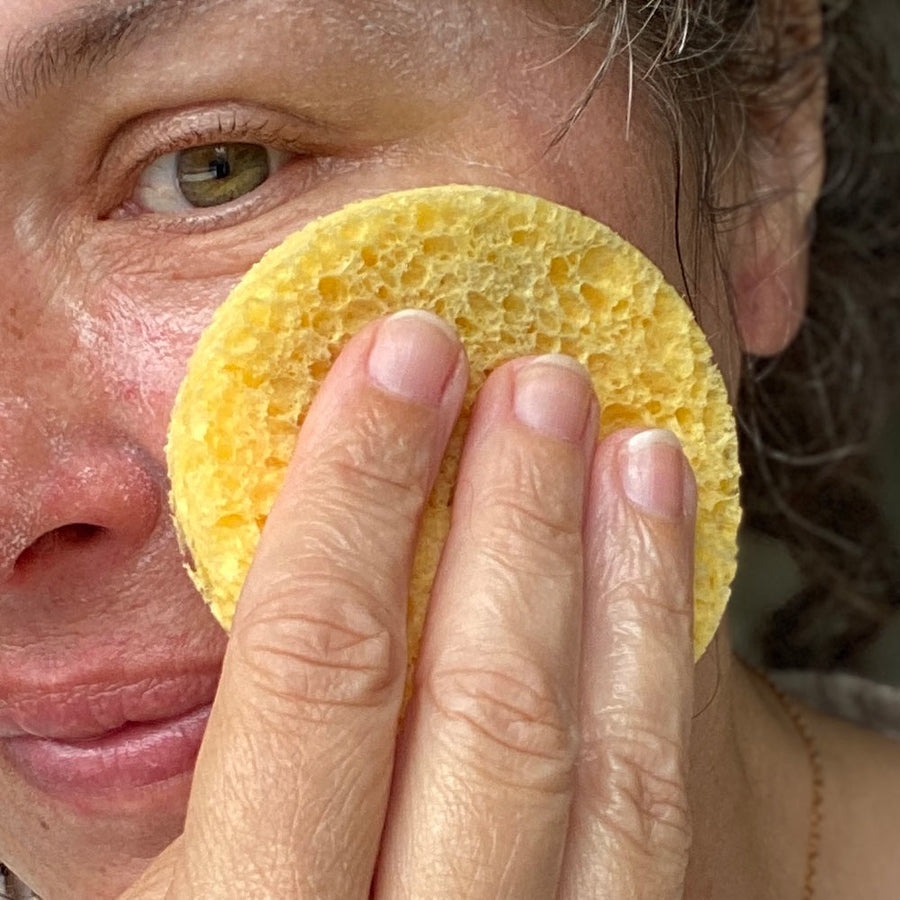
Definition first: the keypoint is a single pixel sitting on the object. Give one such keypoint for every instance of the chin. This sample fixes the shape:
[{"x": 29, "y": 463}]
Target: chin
[{"x": 90, "y": 850}]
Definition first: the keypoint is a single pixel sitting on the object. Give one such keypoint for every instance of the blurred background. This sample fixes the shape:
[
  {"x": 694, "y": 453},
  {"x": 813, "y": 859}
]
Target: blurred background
[{"x": 768, "y": 577}]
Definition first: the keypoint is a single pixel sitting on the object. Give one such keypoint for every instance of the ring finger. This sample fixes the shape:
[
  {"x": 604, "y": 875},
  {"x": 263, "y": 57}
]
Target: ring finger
[{"x": 484, "y": 774}]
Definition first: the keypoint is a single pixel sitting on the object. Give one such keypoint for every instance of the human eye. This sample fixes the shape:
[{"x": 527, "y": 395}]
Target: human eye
[
  {"x": 206, "y": 176},
  {"x": 201, "y": 170}
]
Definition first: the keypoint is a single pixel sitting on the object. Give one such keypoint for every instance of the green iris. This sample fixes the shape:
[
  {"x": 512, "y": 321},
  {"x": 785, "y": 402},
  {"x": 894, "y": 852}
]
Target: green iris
[{"x": 219, "y": 173}]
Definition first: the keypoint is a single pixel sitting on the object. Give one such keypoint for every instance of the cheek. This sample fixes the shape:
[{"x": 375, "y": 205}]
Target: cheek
[
  {"x": 136, "y": 302},
  {"x": 136, "y": 334}
]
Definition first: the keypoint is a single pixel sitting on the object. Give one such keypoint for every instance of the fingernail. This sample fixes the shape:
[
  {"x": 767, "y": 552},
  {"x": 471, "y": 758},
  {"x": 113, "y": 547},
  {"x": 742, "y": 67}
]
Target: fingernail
[
  {"x": 414, "y": 356},
  {"x": 655, "y": 474},
  {"x": 553, "y": 395}
]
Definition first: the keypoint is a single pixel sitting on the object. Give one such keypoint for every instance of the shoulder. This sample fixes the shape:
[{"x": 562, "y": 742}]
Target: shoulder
[{"x": 857, "y": 726}]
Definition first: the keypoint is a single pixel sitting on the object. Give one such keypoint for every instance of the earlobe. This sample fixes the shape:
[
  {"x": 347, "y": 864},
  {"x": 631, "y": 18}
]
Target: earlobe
[
  {"x": 770, "y": 277},
  {"x": 770, "y": 251}
]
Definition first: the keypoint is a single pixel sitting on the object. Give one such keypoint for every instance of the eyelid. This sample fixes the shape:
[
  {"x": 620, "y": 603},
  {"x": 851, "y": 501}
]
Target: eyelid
[{"x": 148, "y": 138}]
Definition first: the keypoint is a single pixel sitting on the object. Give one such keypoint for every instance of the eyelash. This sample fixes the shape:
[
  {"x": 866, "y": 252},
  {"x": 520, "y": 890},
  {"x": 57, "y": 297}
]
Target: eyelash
[{"x": 214, "y": 128}]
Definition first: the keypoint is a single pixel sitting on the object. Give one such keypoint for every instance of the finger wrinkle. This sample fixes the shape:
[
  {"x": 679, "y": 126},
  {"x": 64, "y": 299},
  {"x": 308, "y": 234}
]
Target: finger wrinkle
[{"x": 513, "y": 721}]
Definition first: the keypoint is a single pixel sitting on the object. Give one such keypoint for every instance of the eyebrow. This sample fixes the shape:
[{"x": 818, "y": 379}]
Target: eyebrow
[{"x": 87, "y": 40}]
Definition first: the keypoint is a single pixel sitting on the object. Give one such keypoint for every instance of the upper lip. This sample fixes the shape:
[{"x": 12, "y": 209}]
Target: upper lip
[{"x": 83, "y": 707}]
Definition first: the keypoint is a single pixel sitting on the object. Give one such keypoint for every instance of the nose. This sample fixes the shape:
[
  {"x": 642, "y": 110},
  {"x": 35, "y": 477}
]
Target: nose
[{"x": 94, "y": 503}]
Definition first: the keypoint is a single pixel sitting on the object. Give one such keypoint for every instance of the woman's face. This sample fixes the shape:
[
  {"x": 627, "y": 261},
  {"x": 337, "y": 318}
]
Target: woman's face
[{"x": 115, "y": 251}]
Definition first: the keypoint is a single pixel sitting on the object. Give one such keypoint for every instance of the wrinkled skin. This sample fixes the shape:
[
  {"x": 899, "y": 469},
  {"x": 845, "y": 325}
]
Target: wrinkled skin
[{"x": 567, "y": 726}]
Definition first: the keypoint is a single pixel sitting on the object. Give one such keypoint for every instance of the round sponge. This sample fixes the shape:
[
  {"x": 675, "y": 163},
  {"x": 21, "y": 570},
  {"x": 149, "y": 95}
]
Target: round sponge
[{"x": 516, "y": 275}]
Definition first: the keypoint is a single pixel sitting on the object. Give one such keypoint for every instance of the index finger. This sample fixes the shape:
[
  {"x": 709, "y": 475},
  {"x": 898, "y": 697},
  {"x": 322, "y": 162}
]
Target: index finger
[{"x": 293, "y": 777}]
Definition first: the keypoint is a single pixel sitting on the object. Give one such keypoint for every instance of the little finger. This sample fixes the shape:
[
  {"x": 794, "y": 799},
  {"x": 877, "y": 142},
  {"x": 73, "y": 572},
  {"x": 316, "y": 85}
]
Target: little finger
[{"x": 630, "y": 830}]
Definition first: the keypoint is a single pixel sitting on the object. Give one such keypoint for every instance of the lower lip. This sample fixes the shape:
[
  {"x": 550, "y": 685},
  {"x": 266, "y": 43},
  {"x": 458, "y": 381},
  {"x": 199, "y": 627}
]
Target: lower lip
[{"x": 125, "y": 761}]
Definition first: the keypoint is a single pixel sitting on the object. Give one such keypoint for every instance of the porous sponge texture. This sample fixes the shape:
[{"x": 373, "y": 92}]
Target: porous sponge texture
[{"x": 516, "y": 275}]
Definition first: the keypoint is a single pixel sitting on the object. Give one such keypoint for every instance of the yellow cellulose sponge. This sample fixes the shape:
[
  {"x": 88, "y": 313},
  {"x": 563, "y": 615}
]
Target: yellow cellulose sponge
[{"x": 516, "y": 275}]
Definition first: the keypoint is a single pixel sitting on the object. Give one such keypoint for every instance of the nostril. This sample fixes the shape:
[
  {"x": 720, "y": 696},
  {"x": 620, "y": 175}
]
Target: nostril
[
  {"x": 91, "y": 514},
  {"x": 77, "y": 535}
]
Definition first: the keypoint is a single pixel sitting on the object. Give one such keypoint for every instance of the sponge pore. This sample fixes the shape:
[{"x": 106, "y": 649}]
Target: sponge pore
[{"x": 516, "y": 275}]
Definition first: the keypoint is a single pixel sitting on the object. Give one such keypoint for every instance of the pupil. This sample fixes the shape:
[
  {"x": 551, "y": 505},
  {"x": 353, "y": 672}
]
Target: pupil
[
  {"x": 215, "y": 174},
  {"x": 220, "y": 167}
]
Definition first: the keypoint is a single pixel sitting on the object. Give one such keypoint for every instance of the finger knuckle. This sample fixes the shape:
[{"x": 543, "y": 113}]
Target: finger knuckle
[
  {"x": 527, "y": 534},
  {"x": 640, "y": 778},
  {"x": 367, "y": 498},
  {"x": 657, "y": 603},
  {"x": 380, "y": 452},
  {"x": 366, "y": 480},
  {"x": 509, "y": 720},
  {"x": 320, "y": 646}
]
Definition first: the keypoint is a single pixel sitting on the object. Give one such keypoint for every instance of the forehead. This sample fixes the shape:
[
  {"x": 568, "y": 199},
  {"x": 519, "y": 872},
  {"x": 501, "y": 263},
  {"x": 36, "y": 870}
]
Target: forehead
[
  {"x": 19, "y": 15},
  {"x": 25, "y": 13},
  {"x": 22, "y": 12},
  {"x": 22, "y": 16},
  {"x": 43, "y": 40}
]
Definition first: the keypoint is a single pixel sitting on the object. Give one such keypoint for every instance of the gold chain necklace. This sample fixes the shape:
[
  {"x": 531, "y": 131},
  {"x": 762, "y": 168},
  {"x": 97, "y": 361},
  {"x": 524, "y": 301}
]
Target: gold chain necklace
[{"x": 804, "y": 730}]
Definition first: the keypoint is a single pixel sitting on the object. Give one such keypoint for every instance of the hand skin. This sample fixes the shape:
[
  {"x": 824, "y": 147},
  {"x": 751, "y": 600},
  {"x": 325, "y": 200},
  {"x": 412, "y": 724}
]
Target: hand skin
[{"x": 525, "y": 768}]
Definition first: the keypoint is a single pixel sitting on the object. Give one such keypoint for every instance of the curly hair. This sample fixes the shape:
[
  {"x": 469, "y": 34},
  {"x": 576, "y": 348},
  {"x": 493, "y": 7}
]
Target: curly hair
[
  {"x": 811, "y": 415},
  {"x": 808, "y": 418}
]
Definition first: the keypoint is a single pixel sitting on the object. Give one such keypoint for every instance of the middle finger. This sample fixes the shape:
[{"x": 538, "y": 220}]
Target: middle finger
[{"x": 484, "y": 774}]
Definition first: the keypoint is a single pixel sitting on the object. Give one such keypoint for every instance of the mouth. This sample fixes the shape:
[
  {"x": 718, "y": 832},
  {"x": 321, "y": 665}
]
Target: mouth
[
  {"x": 134, "y": 756},
  {"x": 107, "y": 743}
]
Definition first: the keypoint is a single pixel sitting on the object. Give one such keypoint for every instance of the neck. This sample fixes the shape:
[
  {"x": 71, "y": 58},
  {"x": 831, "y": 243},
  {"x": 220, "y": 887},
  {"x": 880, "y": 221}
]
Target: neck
[{"x": 749, "y": 786}]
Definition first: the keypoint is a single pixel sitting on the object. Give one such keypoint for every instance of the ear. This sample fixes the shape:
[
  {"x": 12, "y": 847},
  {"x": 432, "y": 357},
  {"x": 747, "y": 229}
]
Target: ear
[{"x": 770, "y": 252}]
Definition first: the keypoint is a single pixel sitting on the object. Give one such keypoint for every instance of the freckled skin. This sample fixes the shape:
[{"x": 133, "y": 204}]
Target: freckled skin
[{"x": 98, "y": 314}]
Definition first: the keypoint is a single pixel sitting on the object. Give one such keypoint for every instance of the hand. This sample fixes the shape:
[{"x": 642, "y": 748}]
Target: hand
[{"x": 544, "y": 750}]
